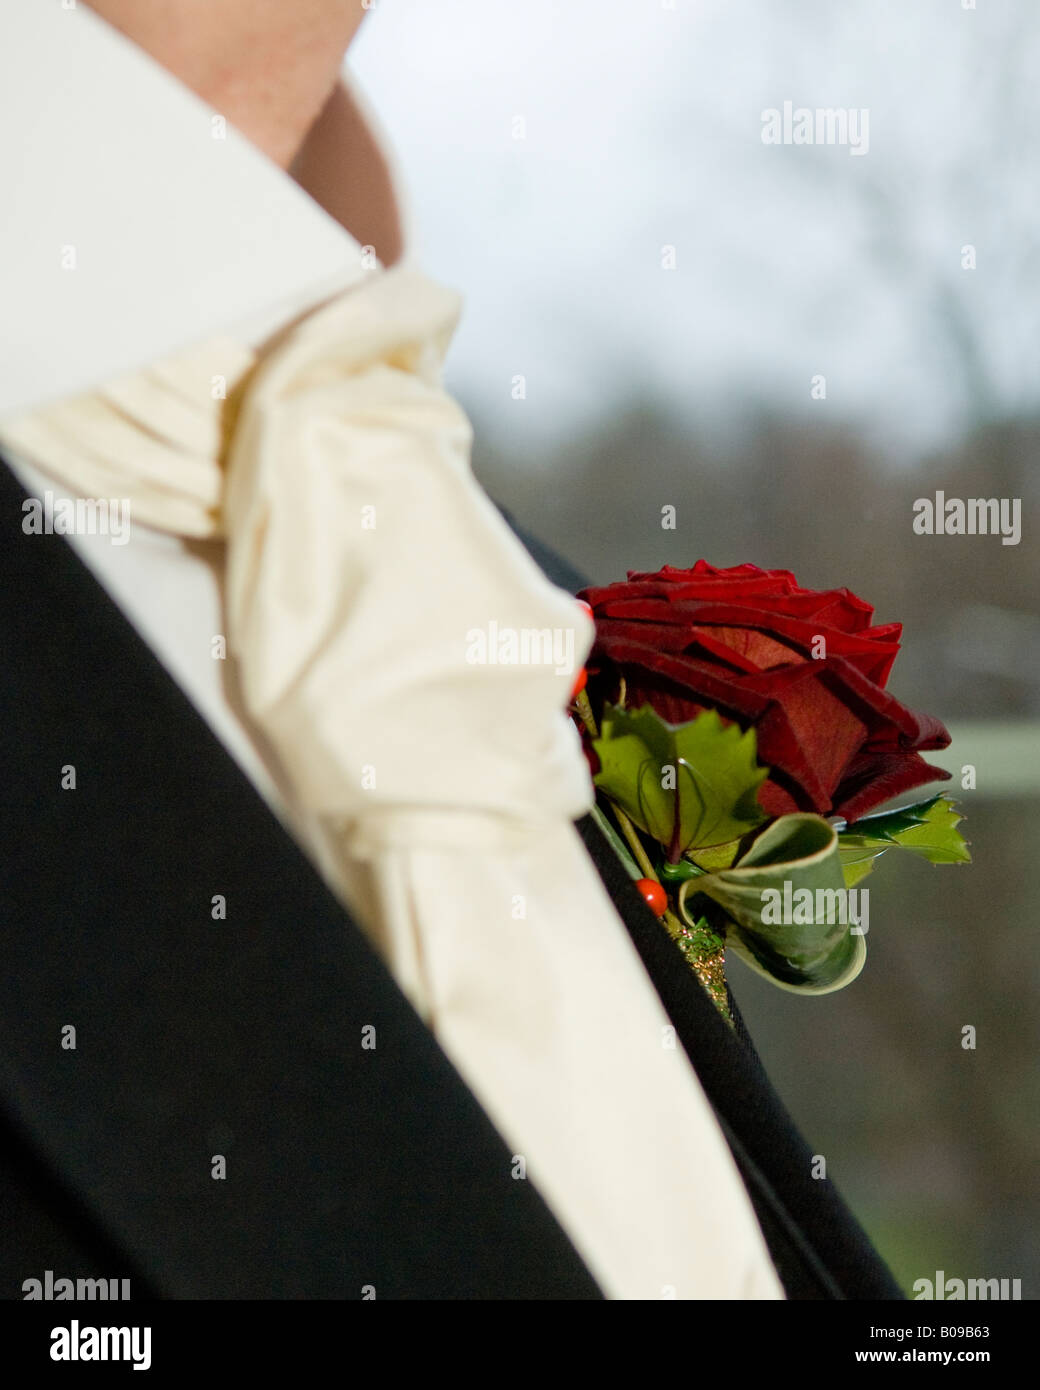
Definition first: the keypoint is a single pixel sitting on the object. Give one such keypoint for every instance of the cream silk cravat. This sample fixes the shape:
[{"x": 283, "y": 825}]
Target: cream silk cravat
[{"x": 361, "y": 559}]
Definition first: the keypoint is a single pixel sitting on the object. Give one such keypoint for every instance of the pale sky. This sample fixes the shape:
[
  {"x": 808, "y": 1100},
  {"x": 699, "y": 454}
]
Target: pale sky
[{"x": 644, "y": 130}]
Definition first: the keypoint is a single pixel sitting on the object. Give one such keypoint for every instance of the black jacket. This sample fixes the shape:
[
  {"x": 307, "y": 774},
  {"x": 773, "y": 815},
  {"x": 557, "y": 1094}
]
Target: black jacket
[{"x": 347, "y": 1168}]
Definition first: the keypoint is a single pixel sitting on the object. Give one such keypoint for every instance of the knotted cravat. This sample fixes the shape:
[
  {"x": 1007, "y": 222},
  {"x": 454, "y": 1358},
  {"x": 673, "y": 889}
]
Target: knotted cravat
[{"x": 410, "y": 666}]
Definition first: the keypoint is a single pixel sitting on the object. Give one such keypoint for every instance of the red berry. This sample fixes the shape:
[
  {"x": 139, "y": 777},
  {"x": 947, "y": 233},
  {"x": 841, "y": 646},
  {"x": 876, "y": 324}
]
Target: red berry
[
  {"x": 579, "y": 684},
  {"x": 653, "y": 895}
]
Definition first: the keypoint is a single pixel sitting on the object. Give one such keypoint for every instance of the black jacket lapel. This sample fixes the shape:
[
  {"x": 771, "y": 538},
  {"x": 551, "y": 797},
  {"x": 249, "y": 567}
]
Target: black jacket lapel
[{"x": 347, "y": 1168}]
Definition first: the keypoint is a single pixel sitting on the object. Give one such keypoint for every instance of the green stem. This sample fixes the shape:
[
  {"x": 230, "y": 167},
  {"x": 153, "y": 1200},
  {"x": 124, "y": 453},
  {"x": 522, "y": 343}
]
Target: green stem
[
  {"x": 629, "y": 832},
  {"x": 675, "y": 927},
  {"x": 581, "y": 704}
]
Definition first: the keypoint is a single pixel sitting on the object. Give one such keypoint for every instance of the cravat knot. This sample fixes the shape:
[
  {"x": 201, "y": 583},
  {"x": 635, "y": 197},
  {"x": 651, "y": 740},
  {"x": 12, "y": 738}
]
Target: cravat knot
[{"x": 395, "y": 642}]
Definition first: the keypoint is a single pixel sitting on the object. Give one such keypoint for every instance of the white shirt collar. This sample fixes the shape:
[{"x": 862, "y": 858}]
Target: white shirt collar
[{"x": 134, "y": 227}]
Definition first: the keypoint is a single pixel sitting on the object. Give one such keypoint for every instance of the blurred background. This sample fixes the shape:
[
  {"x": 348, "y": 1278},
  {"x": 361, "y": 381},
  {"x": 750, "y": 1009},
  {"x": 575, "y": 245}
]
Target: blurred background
[{"x": 653, "y": 295}]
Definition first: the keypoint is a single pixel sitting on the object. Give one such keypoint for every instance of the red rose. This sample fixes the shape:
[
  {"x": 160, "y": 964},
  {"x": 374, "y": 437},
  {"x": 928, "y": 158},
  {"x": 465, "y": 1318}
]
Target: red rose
[{"x": 742, "y": 641}]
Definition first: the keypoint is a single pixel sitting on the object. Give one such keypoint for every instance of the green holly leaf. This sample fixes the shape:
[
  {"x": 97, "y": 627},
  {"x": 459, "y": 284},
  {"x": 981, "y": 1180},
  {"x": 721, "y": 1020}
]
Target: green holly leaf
[
  {"x": 855, "y": 869},
  {"x": 793, "y": 920},
  {"x": 926, "y": 828},
  {"x": 687, "y": 785}
]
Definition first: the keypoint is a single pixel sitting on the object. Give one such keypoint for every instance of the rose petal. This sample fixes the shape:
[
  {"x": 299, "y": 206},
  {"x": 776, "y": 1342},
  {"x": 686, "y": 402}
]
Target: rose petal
[{"x": 874, "y": 778}]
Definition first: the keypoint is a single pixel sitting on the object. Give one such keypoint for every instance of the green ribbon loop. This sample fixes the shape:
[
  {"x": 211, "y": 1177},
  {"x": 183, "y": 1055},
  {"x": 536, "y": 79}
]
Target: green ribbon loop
[{"x": 789, "y": 907}]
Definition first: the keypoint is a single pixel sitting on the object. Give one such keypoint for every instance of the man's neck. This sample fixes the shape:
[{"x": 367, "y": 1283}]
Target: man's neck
[
  {"x": 266, "y": 65},
  {"x": 344, "y": 170}
]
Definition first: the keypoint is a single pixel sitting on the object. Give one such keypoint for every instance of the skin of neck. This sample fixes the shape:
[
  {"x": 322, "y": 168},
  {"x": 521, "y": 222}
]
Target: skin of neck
[{"x": 269, "y": 66}]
